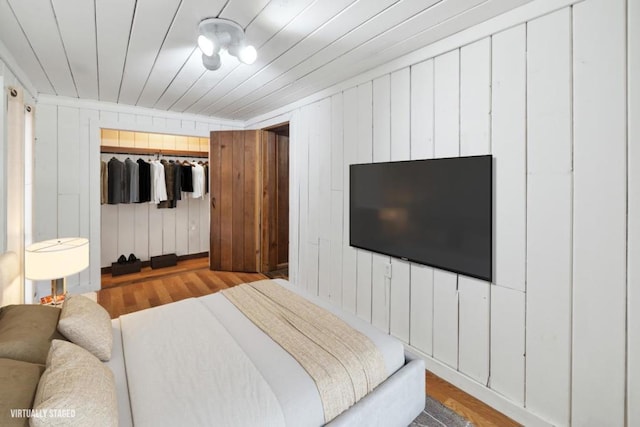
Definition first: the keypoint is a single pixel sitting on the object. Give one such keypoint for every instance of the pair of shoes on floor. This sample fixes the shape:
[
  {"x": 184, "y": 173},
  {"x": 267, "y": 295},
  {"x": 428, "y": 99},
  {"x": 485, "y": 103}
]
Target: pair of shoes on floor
[{"x": 124, "y": 260}]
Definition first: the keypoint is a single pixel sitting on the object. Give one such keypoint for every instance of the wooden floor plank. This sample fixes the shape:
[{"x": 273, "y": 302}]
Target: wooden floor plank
[
  {"x": 118, "y": 303},
  {"x": 193, "y": 288},
  {"x": 150, "y": 290},
  {"x": 206, "y": 279},
  {"x": 203, "y": 289},
  {"x": 465, "y": 405},
  {"x": 178, "y": 287},
  {"x": 142, "y": 298},
  {"x": 220, "y": 282},
  {"x": 161, "y": 291},
  {"x": 129, "y": 299}
]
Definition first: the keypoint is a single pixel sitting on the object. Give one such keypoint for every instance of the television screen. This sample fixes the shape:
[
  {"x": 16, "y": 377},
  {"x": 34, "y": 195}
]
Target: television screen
[{"x": 436, "y": 212}]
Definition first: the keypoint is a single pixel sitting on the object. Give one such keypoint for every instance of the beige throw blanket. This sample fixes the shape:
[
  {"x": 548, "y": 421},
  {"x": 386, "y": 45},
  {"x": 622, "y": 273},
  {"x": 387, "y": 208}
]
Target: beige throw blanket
[{"x": 344, "y": 363}]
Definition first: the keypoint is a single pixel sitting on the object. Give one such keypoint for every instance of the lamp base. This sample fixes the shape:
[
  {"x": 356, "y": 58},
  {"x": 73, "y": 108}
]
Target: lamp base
[{"x": 58, "y": 288}]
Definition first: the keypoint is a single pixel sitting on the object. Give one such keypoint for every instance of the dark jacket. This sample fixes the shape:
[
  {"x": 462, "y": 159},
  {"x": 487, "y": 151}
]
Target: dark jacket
[
  {"x": 144, "y": 181},
  {"x": 116, "y": 181}
]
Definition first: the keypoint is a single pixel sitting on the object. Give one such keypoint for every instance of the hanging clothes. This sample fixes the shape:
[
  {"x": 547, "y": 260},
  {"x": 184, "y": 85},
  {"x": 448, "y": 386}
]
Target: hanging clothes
[
  {"x": 177, "y": 190},
  {"x": 115, "y": 171},
  {"x": 187, "y": 178},
  {"x": 133, "y": 173},
  {"x": 197, "y": 174},
  {"x": 144, "y": 181},
  {"x": 206, "y": 178},
  {"x": 161, "y": 182},
  {"x": 104, "y": 183},
  {"x": 126, "y": 186},
  {"x": 169, "y": 178},
  {"x": 158, "y": 185},
  {"x": 152, "y": 182}
]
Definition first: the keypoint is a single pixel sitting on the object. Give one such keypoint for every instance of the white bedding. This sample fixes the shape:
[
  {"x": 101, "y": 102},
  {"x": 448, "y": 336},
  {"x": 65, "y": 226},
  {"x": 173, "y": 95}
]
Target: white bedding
[
  {"x": 184, "y": 369},
  {"x": 116, "y": 363},
  {"x": 160, "y": 343},
  {"x": 294, "y": 388}
]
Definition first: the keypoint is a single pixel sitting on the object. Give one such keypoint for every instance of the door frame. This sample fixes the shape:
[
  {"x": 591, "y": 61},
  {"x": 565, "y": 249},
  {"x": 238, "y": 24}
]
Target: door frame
[{"x": 266, "y": 219}]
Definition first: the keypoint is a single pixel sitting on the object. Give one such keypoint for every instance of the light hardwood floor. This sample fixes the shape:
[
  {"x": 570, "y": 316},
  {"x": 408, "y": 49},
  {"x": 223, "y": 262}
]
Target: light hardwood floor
[
  {"x": 192, "y": 278},
  {"x": 150, "y": 288},
  {"x": 465, "y": 405}
]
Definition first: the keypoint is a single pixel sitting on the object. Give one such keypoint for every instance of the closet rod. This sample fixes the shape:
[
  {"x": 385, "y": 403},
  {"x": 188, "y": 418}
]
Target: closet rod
[{"x": 152, "y": 151}]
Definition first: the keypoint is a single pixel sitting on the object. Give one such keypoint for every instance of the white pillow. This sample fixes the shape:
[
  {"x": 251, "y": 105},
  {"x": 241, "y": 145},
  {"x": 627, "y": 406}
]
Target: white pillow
[
  {"x": 86, "y": 323},
  {"x": 76, "y": 389}
]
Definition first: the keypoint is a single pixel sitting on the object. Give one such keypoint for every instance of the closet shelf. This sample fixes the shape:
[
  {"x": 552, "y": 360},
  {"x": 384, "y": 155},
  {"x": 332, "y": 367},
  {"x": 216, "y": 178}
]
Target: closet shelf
[{"x": 152, "y": 151}]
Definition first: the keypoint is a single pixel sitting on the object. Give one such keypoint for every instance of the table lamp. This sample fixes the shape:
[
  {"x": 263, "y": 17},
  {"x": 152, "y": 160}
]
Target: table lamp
[{"x": 55, "y": 260}]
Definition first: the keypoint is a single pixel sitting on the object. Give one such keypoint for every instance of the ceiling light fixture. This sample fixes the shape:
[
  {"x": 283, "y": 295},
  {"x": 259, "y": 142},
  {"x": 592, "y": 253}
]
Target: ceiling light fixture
[{"x": 218, "y": 34}]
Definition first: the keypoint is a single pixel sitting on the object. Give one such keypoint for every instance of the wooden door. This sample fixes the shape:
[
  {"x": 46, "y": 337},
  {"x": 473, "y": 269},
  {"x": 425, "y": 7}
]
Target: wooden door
[{"x": 235, "y": 184}]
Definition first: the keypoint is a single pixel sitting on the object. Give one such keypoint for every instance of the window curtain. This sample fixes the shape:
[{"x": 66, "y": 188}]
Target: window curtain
[
  {"x": 29, "y": 162},
  {"x": 13, "y": 293}
]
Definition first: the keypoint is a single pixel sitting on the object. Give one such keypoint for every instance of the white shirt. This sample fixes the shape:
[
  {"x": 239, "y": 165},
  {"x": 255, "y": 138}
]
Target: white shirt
[
  {"x": 197, "y": 171},
  {"x": 158, "y": 184}
]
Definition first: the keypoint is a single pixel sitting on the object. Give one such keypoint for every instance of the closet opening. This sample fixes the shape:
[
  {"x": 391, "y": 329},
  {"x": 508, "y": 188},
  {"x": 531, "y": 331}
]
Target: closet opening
[{"x": 154, "y": 200}]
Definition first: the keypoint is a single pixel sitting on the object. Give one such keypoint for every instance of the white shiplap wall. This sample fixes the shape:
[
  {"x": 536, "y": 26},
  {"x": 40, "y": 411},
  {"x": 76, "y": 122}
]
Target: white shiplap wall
[
  {"x": 599, "y": 210},
  {"x": 549, "y": 183},
  {"x": 633, "y": 232},
  {"x": 67, "y": 175},
  {"x": 542, "y": 89}
]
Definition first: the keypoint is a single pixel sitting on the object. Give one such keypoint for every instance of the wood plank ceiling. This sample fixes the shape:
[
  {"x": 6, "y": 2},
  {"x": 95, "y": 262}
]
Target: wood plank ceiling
[{"x": 143, "y": 52}]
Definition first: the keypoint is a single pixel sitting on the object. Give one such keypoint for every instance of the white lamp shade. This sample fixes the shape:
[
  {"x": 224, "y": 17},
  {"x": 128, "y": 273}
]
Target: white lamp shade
[{"x": 56, "y": 258}]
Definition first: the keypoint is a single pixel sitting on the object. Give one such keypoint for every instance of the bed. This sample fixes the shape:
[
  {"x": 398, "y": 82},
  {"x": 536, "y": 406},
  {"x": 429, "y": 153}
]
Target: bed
[{"x": 201, "y": 361}]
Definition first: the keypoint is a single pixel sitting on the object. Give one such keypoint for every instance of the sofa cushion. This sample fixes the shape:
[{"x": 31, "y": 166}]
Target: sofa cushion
[
  {"x": 19, "y": 381},
  {"x": 76, "y": 389},
  {"x": 26, "y": 332},
  {"x": 85, "y": 323}
]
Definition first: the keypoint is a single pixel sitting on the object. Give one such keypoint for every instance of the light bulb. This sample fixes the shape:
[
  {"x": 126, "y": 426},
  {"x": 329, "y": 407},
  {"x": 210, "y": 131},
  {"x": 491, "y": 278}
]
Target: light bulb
[
  {"x": 206, "y": 45},
  {"x": 248, "y": 54}
]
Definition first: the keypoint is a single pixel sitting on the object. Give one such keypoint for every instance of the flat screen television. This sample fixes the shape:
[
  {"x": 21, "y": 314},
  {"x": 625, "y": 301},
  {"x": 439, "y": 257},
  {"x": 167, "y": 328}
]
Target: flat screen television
[{"x": 436, "y": 212}]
